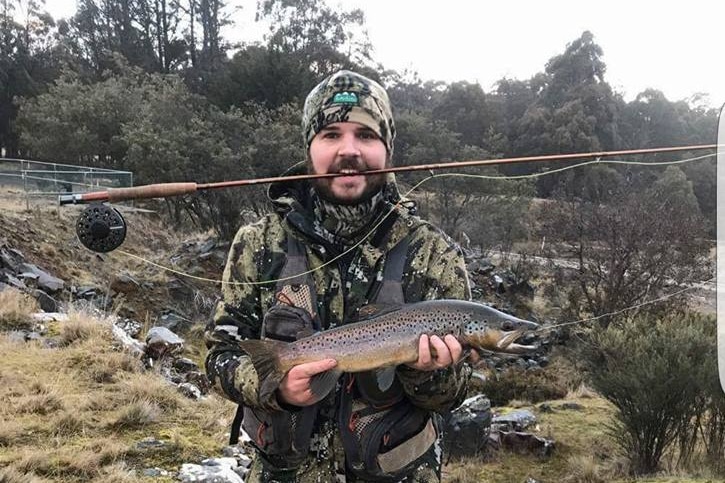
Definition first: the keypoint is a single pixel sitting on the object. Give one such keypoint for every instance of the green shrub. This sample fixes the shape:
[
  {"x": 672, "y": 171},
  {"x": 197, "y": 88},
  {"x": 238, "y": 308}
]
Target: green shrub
[{"x": 652, "y": 371}]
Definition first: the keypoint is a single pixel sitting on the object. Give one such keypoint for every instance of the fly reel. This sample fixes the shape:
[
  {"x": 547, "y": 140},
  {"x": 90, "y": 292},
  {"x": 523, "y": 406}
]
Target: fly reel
[{"x": 101, "y": 228}]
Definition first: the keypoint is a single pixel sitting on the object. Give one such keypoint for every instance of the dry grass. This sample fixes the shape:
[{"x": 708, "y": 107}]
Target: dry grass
[
  {"x": 151, "y": 388},
  {"x": 11, "y": 475},
  {"x": 582, "y": 391},
  {"x": 83, "y": 327},
  {"x": 585, "y": 469},
  {"x": 15, "y": 310},
  {"x": 137, "y": 415}
]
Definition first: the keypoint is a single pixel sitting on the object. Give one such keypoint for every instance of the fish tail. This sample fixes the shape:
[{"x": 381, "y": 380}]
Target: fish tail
[{"x": 265, "y": 357}]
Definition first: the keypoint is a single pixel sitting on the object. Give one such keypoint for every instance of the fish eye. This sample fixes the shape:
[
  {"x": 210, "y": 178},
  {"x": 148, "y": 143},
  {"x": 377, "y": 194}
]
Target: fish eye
[{"x": 507, "y": 325}]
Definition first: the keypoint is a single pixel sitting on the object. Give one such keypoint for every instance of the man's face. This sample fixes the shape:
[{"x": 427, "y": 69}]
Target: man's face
[{"x": 347, "y": 147}]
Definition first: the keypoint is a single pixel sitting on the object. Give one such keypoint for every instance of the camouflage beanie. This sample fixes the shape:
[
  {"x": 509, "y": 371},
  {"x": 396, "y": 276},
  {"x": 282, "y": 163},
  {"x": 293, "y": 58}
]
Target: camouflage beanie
[{"x": 348, "y": 97}]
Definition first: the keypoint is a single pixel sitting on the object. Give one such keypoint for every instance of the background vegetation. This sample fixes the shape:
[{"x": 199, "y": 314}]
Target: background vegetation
[{"x": 153, "y": 87}]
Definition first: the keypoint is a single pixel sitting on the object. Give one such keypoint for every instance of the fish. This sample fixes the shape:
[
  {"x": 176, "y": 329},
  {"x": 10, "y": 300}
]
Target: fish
[{"x": 386, "y": 337}]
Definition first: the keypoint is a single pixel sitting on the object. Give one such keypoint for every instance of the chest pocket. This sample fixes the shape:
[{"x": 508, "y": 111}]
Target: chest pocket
[
  {"x": 283, "y": 437},
  {"x": 383, "y": 434}
]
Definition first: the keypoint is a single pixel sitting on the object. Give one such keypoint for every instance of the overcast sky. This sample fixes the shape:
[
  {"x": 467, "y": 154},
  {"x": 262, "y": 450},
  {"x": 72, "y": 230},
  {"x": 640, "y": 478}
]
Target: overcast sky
[{"x": 677, "y": 48}]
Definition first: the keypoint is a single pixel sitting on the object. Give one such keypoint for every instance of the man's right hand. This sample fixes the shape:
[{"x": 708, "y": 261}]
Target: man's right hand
[{"x": 295, "y": 387}]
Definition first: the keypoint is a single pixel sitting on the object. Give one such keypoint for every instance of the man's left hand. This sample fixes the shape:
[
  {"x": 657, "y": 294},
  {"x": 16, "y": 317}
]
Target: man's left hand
[{"x": 447, "y": 351}]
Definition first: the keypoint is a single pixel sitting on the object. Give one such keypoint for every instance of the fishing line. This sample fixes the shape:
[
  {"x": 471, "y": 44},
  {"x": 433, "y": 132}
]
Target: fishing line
[
  {"x": 620, "y": 311},
  {"x": 399, "y": 205}
]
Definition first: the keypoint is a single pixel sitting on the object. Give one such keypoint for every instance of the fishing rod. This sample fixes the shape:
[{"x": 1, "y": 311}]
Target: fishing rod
[{"x": 101, "y": 228}]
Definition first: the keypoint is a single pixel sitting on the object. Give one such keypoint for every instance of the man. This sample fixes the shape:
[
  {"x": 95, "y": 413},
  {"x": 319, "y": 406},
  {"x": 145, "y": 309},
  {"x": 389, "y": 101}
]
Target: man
[{"x": 333, "y": 246}]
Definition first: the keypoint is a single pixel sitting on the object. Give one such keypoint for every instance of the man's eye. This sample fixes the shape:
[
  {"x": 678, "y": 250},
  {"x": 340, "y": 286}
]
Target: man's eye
[
  {"x": 368, "y": 135},
  {"x": 330, "y": 135}
]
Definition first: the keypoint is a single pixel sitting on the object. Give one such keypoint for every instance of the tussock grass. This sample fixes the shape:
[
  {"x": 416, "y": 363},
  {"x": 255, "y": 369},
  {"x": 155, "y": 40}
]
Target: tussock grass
[
  {"x": 15, "y": 310},
  {"x": 69, "y": 423},
  {"x": 138, "y": 415},
  {"x": 116, "y": 473},
  {"x": 78, "y": 463},
  {"x": 82, "y": 327},
  {"x": 582, "y": 391},
  {"x": 100, "y": 364},
  {"x": 10, "y": 432},
  {"x": 585, "y": 469},
  {"x": 151, "y": 388},
  {"x": 40, "y": 404},
  {"x": 465, "y": 470},
  {"x": 11, "y": 475}
]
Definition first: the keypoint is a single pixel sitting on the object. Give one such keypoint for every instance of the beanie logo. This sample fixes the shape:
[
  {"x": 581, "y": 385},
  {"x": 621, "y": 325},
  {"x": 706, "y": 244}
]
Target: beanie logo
[{"x": 345, "y": 98}]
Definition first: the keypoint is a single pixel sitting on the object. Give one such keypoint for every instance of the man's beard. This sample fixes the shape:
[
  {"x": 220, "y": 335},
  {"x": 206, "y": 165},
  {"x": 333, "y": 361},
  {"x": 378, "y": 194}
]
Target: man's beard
[{"x": 373, "y": 184}]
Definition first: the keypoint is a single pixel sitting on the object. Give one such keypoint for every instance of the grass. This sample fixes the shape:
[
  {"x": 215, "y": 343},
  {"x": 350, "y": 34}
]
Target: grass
[
  {"x": 76, "y": 413},
  {"x": 15, "y": 310}
]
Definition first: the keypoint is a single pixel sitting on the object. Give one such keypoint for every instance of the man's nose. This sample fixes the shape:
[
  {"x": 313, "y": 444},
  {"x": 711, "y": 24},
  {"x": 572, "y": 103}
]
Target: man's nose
[{"x": 349, "y": 145}]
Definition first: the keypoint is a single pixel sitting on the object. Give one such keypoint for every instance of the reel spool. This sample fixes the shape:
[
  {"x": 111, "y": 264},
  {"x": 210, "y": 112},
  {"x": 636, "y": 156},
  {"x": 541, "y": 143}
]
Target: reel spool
[{"x": 101, "y": 228}]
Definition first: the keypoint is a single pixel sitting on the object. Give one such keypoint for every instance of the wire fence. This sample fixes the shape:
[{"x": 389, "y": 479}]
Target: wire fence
[{"x": 44, "y": 180}]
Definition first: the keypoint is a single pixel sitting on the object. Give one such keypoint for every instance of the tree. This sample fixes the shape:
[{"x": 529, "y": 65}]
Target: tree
[
  {"x": 636, "y": 242},
  {"x": 324, "y": 39},
  {"x": 27, "y": 63}
]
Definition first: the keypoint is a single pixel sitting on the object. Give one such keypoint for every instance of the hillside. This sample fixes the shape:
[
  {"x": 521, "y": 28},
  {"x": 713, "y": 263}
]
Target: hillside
[{"x": 79, "y": 407}]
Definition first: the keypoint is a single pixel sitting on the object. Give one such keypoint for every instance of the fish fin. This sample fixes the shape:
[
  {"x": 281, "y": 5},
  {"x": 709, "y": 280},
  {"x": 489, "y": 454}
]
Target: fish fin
[
  {"x": 321, "y": 384},
  {"x": 265, "y": 359},
  {"x": 385, "y": 377},
  {"x": 373, "y": 310}
]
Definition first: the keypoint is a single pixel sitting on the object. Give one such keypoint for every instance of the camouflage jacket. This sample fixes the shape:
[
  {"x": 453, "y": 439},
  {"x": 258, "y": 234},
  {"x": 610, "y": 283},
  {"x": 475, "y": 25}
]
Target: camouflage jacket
[{"x": 434, "y": 269}]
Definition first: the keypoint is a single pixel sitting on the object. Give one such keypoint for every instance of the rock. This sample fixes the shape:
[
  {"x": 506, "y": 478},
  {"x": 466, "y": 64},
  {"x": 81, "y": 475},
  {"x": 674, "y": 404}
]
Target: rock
[
  {"x": 11, "y": 258},
  {"x": 571, "y": 406},
  {"x": 545, "y": 408},
  {"x": 15, "y": 282},
  {"x": 134, "y": 346},
  {"x": 178, "y": 290},
  {"x": 466, "y": 431},
  {"x": 497, "y": 283},
  {"x": 208, "y": 474},
  {"x": 49, "y": 283},
  {"x": 230, "y": 462},
  {"x": 150, "y": 443},
  {"x": 46, "y": 302},
  {"x": 189, "y": 390},
  {"x": 130, "y": 327},
  {"x": 515, "y": 420},
  {"x": 49, "y": 317},
  {"x": 184, "y": 365},
  {"x": 160, "y": 342},
  {"x": 174, "y": 322},
  {"x": 522, "y": 443},
  {"x": 86, "y": 292},
  {"x": 154, "y": 472},
  {"x": 198, "y": 379},
  {"x": 207, "y": 246},
  {"x": 124, "y": 283}
]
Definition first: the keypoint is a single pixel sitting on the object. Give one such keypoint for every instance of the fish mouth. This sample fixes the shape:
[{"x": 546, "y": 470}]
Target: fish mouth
[{"x": 507, "y": 342}]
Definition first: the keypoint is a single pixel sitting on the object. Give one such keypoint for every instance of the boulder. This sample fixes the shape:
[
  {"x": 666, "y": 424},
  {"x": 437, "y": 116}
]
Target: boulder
[
  {"x": 208, "y": 474},
  {"x": 515, "y": 420},
  {"x": 46, "y": 302},
  {"x": 466, "y": 431},
  {"x": 161, "y": 342}
]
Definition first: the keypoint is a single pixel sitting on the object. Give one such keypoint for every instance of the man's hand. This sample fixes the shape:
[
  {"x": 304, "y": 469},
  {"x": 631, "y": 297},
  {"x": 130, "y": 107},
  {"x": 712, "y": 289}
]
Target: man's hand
[
  {"x": 447, "y": 351},
  {"x": 295, "y": 387}
]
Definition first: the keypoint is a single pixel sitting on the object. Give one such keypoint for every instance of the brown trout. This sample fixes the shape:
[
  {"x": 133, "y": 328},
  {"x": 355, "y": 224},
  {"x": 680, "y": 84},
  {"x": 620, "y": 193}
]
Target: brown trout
[{"x": 387, "y": 337}]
